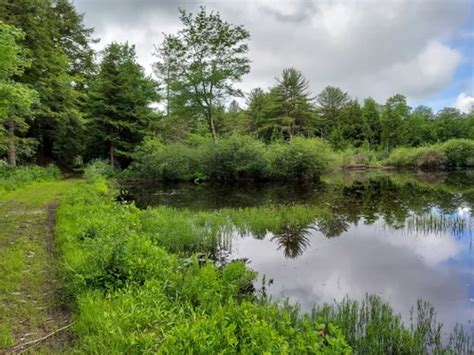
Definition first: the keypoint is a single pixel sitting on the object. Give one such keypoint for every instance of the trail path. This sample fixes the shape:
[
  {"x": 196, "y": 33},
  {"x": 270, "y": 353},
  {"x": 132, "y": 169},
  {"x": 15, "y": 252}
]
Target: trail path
[{"x": 31, "y": 300}]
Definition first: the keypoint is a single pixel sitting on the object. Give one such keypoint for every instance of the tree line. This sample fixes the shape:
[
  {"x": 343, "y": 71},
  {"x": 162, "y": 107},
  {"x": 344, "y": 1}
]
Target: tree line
[{"x": 62, "y": 101}]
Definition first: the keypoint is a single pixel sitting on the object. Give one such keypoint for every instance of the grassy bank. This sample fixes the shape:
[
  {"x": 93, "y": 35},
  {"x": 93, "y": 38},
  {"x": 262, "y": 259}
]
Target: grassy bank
[
  {"x": 31, "y": 304},
  {"x": 141, "y": 282},
  {"x": 14, "y": 178}
]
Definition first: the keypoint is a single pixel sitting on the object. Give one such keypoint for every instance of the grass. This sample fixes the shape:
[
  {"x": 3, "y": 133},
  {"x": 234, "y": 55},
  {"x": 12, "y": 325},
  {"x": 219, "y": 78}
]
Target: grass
[
  {"x": 28, "y": 268},
  {"x": 14, "y": 178}
]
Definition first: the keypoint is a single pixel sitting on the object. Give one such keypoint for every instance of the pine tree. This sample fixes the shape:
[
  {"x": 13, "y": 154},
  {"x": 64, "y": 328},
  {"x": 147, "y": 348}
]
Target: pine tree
[{"x": 120, "y": 100}]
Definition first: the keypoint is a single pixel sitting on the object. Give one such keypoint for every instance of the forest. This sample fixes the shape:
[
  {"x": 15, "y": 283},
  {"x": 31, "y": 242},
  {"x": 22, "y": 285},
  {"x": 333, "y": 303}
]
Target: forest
[
  {"x": 158, "y": 210},
  {"x": 65, "y": 103}
]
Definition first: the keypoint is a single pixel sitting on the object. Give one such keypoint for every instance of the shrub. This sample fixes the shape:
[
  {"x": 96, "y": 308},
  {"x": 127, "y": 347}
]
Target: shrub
[
  {"x": 302, "y": 158},
  {"x": 99, "y": 168},
  {"x": 236, "y": 157},
  {"x": 232, "y": 158},
  {"x": 459, "y": 152},
  {"x": 177, "y": 161},
  {"x": 421, "y": 157},
  {"x": 431, "y": 158}
]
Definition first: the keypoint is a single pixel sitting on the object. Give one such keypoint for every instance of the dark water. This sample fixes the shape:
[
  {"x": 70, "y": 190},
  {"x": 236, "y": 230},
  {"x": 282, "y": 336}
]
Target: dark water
[{"x": 402, "y": 236}]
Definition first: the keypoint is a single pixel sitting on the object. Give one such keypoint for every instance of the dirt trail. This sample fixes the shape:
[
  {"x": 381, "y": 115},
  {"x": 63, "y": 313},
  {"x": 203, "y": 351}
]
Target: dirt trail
[{"x": 32, "y": 302}]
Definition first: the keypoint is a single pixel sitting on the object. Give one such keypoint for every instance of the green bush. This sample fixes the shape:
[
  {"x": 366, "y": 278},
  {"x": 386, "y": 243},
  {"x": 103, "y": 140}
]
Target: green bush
[
  {"x": 420, "y": 157},
  {"x": 459, "y": 152},
  {"x": 177, "y": 161},
  {"x": 236, "y": 157},
  {"x": 232, "y": 158},
  {"x": 302, "y": 158},
  {"x": 99, "y": 168}
]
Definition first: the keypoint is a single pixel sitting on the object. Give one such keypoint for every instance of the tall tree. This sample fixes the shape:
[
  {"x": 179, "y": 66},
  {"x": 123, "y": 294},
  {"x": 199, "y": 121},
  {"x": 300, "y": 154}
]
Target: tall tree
[
  {"x": 256, "y": 101},
  {"x": 353, "y": 124},
  {"x": 330, "y": 102},
  {"x": 371, "y": 117},
  {"x": 120, "y": 100},
  {"x": 395, "y": 111},
  {"x": 448, "y": 124},
  {"x": 202, "y": 62},
  {"x": 57, "y": 44},
  {"x": 289, "y": 107},
  {"x": 417, "y": 128},
  {"x": 15, "y": 98}
]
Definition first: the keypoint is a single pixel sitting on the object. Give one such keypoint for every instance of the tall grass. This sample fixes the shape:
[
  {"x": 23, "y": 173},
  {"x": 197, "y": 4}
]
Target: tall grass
[{"x": 13, "y": 178}]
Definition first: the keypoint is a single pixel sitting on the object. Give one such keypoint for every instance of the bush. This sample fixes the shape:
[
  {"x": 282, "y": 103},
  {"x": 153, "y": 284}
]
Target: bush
[
  {"x": 459, "y": 152},
  {"x": 302, "y": 158},
  {"x": 420, "y": 157},
  {"x": 233, "y": 158},
  {"x": 177, "y": 161},
  {"x": 237, "y": 157},
  {"x": 99, "y": 168}
]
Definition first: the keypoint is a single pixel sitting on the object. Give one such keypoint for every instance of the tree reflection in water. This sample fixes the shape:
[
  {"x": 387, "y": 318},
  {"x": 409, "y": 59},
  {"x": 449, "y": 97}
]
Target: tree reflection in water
[{"x": 293, "y": 240}]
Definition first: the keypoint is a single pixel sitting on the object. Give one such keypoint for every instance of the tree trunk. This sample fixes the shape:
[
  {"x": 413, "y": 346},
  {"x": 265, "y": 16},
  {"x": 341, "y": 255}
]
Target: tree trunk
[
  {"x": 11, "y": 144},
  {"x": 213, "y": 128},
  {"x": 112, "y": 155}
]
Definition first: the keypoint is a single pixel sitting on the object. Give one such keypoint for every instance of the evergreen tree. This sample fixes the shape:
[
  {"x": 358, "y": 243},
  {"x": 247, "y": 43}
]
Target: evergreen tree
[
  {"x": 57, "y": 45},
  {"x": 120, "y": 100},
  {"x": 330, "y": 103},
  {"x": 289, "y": 108},
  {"x": 15, "y": 98}
]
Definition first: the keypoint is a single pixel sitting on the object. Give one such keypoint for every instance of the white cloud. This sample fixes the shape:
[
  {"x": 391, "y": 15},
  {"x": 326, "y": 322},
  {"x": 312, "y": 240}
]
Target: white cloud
[
  {"x": 464, "y": 102},
  {"x": 369, "y": 48}
]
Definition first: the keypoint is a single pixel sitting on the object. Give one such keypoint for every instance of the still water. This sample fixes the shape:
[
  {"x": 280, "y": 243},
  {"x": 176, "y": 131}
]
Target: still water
[{"x": 402, "y": 236}]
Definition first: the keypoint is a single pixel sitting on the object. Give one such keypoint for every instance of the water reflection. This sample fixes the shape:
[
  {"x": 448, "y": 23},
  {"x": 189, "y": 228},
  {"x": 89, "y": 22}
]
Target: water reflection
[
  {"x": 403, "y": 236},
  {"x": 293, "y": 240}
]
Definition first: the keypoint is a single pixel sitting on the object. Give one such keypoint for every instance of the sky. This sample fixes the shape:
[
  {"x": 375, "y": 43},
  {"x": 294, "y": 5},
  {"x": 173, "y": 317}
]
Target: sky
[{"x": 423, "y": 49}]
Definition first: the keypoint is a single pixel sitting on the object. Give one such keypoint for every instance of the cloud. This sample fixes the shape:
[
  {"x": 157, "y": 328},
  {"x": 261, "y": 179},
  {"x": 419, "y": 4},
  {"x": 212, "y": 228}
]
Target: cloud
[
  {"x": 465, "y": 103},
  {"x": 368, "y": 48}
]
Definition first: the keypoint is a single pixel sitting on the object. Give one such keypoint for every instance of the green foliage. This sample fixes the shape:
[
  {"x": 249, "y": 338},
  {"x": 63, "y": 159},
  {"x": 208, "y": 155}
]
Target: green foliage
[
  {"x": 422, "y": 157},
  {"x": 16, "y": 99},
  {"x": 134, "y": 297},
  {"x": 453, "y": 153},
  {"x": 232, "y": 158},
  {"x": 13, "y": 178},
  {"x": 201, "y": 63},
  {"x": 372, "y": 327},
  {"x": 120, "y": 100},
  {"x": 395, "y": 112},
  {"x": 287, "y": 108},
  {"x": 97, "y": 169},
  {"x": 299, "y": 159},
  {"x": 57, "y": 43},
  {"x": 459, "y": 152}
]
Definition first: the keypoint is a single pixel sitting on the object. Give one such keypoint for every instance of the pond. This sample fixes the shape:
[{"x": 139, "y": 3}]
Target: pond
[{"x": 404, "y": 236}]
